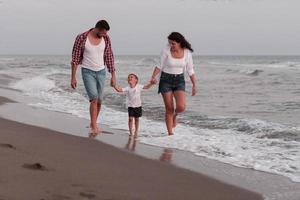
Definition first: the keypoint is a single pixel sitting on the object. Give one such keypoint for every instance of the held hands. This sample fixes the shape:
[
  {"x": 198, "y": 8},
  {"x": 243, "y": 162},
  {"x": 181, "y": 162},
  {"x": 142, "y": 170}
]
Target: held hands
[{"x": 153, "y": 80}]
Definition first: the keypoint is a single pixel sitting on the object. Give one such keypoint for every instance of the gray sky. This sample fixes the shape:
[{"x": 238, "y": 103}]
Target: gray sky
[{"x": 214, "y": 27}]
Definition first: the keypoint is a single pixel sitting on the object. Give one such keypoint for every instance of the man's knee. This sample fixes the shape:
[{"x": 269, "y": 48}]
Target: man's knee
[{"x": 94, "y": 101}]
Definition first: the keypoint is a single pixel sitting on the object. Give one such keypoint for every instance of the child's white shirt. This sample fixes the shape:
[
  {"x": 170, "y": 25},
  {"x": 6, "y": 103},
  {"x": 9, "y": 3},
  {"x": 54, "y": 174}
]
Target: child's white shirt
[{"x": 133, "y": 95}]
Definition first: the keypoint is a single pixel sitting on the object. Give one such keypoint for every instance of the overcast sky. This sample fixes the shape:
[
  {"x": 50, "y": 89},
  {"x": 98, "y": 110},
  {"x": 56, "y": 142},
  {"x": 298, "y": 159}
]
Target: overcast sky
[{"x": 214, "y": 27}]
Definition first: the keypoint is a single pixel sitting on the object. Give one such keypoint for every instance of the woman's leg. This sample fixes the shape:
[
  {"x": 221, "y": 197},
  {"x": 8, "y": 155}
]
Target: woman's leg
[
  {"x": 180, "y": 104},
  {"x": 168, "y": 100}
]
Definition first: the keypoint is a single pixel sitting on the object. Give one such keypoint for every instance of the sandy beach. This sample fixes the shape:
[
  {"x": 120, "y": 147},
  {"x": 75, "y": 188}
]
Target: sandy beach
[{"x": 38, "y": 163}]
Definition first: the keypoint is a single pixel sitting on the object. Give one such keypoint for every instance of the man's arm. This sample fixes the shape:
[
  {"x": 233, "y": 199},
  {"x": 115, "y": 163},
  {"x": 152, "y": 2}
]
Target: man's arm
[
  {"x": 109, "y": 60},
  {"x": 76, "y": 56},
  {"x": 73, "y": 76}
]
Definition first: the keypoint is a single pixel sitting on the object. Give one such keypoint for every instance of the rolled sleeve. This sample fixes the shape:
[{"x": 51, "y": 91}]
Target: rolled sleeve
[
  {"x": 109, "y": 56},
  {"x": 77, "y": 51},
  {"x": 190, "y": 64},
  {"x": 163, "y": 58}
]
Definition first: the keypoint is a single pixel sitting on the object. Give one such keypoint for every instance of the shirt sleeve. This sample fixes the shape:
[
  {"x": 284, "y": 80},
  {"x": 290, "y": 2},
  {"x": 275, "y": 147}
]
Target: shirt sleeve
[
  {"x": 163, "y": 58},
  {"x": 141, "y": 87},
  {"x": 109, "y": 56},
  {"x": 76, "y": 52},
  {"x": 190, "y": 64}
]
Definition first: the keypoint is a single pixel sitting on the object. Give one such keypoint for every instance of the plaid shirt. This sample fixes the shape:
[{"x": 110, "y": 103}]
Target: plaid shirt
[{"x": 78, "y": 49}]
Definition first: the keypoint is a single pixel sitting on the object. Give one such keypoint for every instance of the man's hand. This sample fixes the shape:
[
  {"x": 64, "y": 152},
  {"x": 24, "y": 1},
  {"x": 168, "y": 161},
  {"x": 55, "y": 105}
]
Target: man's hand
[
  {"x": 113, "y": 79},
  {"x": 73, "y": 83}
]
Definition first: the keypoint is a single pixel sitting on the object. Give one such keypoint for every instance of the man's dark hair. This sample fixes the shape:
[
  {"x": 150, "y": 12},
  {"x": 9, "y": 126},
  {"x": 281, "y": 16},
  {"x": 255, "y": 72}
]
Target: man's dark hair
[{"x": 102, "y": 24}]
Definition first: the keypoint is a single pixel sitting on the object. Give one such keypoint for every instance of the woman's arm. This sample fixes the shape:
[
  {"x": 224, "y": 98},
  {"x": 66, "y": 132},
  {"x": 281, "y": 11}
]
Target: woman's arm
[
  {"x": 156, "y": 71},
  {"x": 193, "y": 80},
  {"x": 147, "y": 86}
]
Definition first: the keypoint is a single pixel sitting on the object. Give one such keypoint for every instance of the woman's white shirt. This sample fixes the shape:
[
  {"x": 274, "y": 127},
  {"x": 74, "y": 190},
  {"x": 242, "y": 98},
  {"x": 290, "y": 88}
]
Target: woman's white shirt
[{"x": 172, "y": 65}]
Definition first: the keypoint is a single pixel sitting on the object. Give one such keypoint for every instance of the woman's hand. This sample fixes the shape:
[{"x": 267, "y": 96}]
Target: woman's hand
[
  {"x": 153, "y": 80},
  {"x": 193, "y": 90}
]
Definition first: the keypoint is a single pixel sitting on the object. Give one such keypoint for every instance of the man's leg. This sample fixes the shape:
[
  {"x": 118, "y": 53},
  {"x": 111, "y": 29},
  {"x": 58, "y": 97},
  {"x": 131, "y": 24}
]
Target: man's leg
[
  {"x": 90, "y": 83},
  {"x": 93, "y": 115},
  {"x": 100, "y": 87}
]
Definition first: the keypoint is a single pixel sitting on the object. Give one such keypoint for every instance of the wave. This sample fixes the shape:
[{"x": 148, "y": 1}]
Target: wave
[
  {"x": 35, "y": 84},
  {"x": 266, "y": 64}
]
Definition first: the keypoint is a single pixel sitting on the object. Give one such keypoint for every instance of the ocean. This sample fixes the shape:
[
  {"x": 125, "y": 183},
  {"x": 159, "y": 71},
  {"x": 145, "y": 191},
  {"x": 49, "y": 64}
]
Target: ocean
[{"x": 246, "y": 112}]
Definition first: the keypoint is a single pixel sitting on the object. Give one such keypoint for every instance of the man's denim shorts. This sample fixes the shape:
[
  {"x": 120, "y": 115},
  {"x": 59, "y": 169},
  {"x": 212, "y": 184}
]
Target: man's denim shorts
[
  {"x": 171, "y": 82},
  {"x": 94, "y": 83}
]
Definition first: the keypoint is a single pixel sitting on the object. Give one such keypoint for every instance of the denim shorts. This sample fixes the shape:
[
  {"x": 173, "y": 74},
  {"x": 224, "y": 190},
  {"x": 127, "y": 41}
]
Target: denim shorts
[
  {"x": 94, "y": 83},
  {"x": 171, "y": 82}
]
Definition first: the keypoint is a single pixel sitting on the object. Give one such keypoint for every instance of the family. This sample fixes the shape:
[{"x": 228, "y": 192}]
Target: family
[{"x": 92, "y": 51}]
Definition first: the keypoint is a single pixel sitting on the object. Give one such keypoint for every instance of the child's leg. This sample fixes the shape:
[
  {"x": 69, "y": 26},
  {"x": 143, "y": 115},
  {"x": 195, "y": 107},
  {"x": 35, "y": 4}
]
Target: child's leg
[
  {"x": 137, "y": 125},
  {"x": 130, "y": 122}
]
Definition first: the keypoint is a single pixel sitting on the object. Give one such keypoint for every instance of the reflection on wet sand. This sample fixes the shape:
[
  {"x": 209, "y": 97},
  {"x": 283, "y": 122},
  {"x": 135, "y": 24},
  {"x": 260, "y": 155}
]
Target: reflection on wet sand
[
  {"x": 131, "y": 143},
  {"x": 166, "y": 156}
]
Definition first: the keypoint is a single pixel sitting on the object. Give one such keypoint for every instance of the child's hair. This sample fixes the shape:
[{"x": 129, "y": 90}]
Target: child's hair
[{"x": 137, "y": 78}]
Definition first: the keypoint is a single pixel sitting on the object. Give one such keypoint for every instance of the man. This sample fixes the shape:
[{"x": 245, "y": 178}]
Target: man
[{"x": 93, "y": 52}]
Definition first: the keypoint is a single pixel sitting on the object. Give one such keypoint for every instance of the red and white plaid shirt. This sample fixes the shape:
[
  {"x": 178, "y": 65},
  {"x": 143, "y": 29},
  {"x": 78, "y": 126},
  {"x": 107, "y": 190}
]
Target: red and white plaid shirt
[{"x": 78, "y": 49}]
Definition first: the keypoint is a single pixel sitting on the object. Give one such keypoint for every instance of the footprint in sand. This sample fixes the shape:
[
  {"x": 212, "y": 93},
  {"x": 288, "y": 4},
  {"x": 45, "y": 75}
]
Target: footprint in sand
[
  {"x": 87, "y": 195},
  {"x": 8, "y": 146},
  {"x": 35, "y": 166}
]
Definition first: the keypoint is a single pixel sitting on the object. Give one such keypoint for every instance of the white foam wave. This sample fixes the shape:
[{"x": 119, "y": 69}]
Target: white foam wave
[
  {"x": 35, "y": 84},
  {"x": 233, "y": 147},
  {"x": 226, "y": 145},
  {"x": 257, "y": 65}
]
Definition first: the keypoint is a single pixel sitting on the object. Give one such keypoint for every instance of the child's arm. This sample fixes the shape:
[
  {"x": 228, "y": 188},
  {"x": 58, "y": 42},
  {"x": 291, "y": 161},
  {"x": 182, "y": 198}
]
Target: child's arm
[
  {"x": 148, "y": 86},
  {"x": 118, "y": 88}
]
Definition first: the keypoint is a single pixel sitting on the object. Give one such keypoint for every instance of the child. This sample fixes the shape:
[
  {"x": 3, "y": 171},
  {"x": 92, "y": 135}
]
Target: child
[{"x": 134, "y": 103}]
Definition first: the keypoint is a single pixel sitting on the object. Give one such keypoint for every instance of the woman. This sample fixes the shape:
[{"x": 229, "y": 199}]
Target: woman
[{"x": 175, "y": 59}]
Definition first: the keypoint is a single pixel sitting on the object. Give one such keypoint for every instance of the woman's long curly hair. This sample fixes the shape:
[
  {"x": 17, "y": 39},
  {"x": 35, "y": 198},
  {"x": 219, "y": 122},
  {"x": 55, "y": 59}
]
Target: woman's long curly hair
[{"x": 179, "y": 38}]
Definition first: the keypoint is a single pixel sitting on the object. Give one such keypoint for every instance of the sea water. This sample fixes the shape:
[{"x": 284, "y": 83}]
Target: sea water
[{"x": 246, "y": 111}]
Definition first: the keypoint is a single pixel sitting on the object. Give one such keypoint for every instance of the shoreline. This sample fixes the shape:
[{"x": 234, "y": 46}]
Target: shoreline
[
  {"x": 42, "y": 163},
  {"x": 269, "y": 185}
]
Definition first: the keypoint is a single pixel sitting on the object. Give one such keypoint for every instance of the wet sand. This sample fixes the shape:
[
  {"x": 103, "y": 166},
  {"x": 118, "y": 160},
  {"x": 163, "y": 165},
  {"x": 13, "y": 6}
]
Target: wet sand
[{"x": 38, "y": 163}]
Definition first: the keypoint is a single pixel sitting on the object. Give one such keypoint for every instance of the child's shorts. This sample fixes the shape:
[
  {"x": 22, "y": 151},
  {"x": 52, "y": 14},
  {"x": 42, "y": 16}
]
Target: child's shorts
[{"x": 135, "y": 112}]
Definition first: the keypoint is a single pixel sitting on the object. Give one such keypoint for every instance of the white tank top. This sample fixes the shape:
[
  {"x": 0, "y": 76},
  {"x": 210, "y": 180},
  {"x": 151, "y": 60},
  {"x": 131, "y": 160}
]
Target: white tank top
[{"x": 93, "y": 56}]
